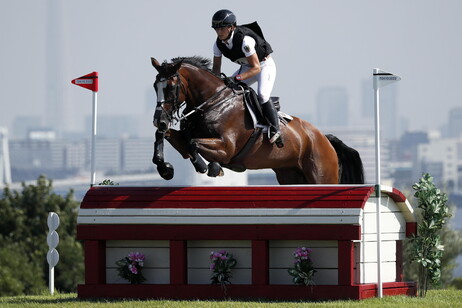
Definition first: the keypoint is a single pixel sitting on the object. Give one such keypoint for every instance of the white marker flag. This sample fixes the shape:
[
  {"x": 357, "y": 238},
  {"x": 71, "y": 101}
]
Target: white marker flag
[{"x": 382, "y": 78}]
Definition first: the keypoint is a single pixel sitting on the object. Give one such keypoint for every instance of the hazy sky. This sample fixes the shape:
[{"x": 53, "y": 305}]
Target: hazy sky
[{"x": 316, "y": 44}]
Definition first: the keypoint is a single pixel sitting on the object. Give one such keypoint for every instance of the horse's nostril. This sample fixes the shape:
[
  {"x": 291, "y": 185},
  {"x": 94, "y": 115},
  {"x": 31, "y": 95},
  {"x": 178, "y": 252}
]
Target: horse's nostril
[{"x": 163, "y": 125}]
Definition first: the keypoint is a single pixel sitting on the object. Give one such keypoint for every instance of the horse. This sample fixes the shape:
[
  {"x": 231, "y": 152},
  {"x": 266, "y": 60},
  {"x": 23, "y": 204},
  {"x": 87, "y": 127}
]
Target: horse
[{"x": 215, "y": 125}]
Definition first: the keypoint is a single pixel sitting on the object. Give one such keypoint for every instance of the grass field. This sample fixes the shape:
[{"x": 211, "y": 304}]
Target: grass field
[{"x": 434, "y": 299}]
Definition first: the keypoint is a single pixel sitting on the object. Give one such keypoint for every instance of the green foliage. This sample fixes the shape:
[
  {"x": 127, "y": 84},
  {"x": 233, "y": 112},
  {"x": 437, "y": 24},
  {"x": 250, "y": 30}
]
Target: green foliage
[
  {"x": 108, "y": 182},
  {"x": 23, "y": 230},
  {"x": 222, "y": 264},
  {"x": 303, "y": 271},
  {"x": 425, "y": 247},
  {"x": 457, "y": 283},
  {"x": 17, "y": 274},
  {"x": 130, "y": 268},
  {"x": 434, "y": 299},
  {"x": 452, "y": 241}
]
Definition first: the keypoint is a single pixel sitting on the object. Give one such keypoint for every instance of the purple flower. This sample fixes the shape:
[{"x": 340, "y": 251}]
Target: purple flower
[{"x": 133, "y": 269}]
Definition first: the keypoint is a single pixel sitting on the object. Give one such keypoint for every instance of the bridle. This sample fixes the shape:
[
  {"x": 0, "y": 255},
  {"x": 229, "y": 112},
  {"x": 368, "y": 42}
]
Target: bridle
[{"x": 173, "y": 101}]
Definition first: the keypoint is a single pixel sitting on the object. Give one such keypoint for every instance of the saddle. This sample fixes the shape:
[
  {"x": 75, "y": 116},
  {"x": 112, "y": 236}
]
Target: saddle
[
  {"x": 253, "y": 106},
  {"x": 255, "y": 111}
]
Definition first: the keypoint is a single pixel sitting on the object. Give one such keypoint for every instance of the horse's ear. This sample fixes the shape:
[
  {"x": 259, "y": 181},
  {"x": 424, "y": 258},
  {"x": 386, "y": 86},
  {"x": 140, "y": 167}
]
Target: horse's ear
[{"x": 156, "y": 64}]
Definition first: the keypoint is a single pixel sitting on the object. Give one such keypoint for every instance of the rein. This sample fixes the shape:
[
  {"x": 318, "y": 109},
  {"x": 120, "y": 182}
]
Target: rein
[{"x": 211, "y": 99}]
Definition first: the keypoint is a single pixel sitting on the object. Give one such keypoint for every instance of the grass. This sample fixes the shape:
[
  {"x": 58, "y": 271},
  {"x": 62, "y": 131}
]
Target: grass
[{"x": 434, "y": 299}]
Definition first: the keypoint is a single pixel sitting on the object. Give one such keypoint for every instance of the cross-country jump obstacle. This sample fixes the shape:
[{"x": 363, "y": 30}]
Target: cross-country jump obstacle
[{"x": 176, "y": 228}]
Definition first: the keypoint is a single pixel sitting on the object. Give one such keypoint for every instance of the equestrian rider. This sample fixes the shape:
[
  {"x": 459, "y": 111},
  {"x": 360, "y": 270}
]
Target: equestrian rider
[{"x": 248, "y": 48}]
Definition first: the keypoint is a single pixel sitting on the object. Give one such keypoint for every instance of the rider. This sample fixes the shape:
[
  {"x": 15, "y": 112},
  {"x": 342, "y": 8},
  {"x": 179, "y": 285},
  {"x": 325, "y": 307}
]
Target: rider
[{"x": 244, "y": 46}]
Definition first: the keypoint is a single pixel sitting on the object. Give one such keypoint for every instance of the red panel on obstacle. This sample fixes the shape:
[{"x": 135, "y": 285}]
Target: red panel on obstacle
[
  {"x": 227, "y": 232},
  {"x": 227, "y": 197}
]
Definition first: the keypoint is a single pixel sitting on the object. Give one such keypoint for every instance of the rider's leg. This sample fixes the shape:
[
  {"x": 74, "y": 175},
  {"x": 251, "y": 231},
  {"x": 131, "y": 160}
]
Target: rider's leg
[
  {"x": 266, "y": 80},
  {"x": 271, "y": 115}
]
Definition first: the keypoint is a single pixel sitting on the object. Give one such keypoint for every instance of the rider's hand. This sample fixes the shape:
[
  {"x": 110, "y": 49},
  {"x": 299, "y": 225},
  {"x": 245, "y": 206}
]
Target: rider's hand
[{"x": 230, "y": 81}]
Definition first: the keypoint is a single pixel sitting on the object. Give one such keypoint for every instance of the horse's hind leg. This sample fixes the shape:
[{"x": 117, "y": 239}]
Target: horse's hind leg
[
  {"x": 320, "y": 165},
  {"x": 185, "y": 148},
  {"x": 290, "y": 176}
]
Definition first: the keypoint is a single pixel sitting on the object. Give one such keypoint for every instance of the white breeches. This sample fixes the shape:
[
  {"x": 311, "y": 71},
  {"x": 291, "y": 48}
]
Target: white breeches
[{"x": 265, "y": 78}]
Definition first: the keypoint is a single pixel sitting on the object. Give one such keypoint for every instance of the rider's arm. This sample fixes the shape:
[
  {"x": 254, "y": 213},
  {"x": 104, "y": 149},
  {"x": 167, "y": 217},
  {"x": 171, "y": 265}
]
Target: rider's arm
[
  {"x": 248, "y": 48},
  {"x": 255, "y": 68},
  {"x": 216, "y": 68},
  {"x": 217, "y": 55}
]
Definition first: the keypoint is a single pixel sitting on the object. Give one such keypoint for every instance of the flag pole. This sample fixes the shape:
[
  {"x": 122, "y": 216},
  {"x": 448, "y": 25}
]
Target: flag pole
[
  {"x": 93, "y": 138},
  {"x": 380, "y": 79},
  {"x": 378, "y": 192},
  {"x": 90, "y": 82}
]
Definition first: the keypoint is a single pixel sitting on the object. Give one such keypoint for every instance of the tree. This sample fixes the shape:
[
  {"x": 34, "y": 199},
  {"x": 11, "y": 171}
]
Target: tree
[
  {"x": 452, "y": 241},
  {"x": 426, "y": 247},
  {"x": 17, "y": 274},
  {"x": 24, "y": 223}
]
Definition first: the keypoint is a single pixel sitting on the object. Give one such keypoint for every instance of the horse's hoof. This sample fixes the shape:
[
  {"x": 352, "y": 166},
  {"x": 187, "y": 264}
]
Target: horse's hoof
[
  {"x": 166, "y": 171},
  {"x": 199, "y": 165},
  {"x": 215, "y": 170}
]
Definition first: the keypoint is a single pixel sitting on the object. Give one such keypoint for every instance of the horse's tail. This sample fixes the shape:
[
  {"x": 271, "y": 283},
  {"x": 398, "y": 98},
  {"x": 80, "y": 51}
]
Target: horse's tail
[{"x": 350, "y": 165}]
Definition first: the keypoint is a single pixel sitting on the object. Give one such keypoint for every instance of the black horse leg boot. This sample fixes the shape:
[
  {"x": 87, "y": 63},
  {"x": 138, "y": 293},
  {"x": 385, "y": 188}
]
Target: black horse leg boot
[{"x": 271, "y": 115}]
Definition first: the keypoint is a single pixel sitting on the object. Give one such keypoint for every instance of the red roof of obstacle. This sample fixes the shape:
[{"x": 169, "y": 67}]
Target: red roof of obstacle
[{"x": 315, "y": 196}]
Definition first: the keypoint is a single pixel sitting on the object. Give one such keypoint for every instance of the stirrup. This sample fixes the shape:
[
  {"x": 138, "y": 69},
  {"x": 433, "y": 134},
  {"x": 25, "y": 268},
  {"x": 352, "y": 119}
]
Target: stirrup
[{"x": 277, "y": 139}]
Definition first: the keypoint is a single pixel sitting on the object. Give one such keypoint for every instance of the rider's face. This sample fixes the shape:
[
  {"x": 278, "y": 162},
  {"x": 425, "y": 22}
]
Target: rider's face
[{"x": 223, "y": 32}]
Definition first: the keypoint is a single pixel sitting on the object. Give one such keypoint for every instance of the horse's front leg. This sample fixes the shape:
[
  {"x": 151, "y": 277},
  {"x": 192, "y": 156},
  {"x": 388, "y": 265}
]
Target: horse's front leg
[{"x": 165, "y": 169}]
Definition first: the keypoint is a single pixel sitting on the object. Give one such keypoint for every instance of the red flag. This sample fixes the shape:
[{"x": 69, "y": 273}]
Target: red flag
[{"x": 89, "y": 81}]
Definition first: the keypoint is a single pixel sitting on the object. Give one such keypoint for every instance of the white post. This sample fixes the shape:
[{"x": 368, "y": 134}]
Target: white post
[
  {"x": 380, "y": 79},
  {"x": 51, "y": 275},
  {"x": 52, "y": 255},
  {"x": 378, "y": 193},
  {"x": 93, "y": 138}
]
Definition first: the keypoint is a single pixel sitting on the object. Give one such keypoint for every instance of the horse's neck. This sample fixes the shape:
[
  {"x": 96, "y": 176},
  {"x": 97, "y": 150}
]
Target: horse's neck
[{"x": 201, "y": 84}]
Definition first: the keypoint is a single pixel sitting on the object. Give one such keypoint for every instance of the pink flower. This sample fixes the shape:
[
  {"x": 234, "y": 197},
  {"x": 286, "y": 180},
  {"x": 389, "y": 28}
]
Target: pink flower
[{"x": 133, "y": 269}]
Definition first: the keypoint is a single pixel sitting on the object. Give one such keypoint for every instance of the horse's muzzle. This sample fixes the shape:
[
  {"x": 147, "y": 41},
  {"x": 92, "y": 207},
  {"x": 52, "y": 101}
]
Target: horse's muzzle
[{"x": 161, "y": 120}]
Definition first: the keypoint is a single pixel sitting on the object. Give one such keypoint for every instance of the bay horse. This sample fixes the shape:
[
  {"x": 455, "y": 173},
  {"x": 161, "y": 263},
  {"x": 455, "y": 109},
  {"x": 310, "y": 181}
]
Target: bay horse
[{"x": 215, "y": 125}]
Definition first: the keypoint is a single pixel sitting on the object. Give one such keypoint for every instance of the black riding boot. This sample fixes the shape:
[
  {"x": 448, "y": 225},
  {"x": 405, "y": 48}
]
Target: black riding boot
[{"x": 271, "y": 115}]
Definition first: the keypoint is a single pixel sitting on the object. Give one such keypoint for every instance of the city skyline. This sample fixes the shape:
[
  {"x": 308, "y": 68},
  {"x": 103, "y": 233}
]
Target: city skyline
[{"x": 317, "y": 45}]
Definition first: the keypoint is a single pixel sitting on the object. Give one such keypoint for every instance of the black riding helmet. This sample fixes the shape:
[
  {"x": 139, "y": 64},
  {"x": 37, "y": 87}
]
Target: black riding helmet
[{"x": 223, "y": 18}]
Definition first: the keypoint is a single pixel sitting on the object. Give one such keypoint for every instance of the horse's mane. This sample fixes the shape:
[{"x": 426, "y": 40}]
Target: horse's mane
[{"x": 197, "y": 61}]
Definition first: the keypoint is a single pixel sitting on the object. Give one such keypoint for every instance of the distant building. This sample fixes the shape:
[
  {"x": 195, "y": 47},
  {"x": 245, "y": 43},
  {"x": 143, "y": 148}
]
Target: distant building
[
  {"x": 137, "y": 154},
  {"x": 43, "y": 153},
  {"x": 24, "y": 124},
  {"x": 363, "y": 141},
  {"x": 114, "y": 126},
  {"x": 442, "y": 158},
  {"x": 455, "y": 122},
  {"x": 404, "y": 158},
  {"x": 390, "y": 122},
  {"x": 332, "y": 107},
  {"x": 5, "y": 169}
]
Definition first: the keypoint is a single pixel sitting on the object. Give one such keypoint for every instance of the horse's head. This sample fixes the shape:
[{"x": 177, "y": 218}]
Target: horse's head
[{"x": 169, "y": 97}]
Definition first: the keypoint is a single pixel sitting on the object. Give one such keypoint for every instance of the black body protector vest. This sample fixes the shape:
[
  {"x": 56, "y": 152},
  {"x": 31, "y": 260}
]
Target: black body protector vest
[{"x": 262, "y": 47}]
